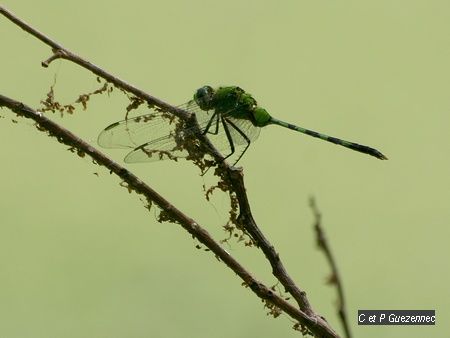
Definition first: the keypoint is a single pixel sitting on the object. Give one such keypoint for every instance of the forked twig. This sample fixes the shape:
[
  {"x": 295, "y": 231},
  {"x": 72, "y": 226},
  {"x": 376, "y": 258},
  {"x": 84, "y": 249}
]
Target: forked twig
[{"x": 134, "y": 183}]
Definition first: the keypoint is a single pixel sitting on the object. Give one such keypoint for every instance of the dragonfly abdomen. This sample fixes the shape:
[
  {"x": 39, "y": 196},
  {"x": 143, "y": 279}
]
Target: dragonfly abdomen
[{"x": 351, "y": 145}]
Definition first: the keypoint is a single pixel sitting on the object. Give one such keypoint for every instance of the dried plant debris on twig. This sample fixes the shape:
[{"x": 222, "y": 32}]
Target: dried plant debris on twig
[{"x": 51, "y": 104}]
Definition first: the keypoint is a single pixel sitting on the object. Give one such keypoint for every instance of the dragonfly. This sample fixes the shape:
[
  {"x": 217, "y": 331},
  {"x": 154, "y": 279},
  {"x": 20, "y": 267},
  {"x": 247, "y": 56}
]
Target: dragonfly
[{"x": 229, "y": 116}]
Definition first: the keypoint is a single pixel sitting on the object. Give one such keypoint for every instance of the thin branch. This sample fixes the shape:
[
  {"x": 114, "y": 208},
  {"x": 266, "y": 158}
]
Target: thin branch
[
  {"x": 278, "y": 268},
  {"x": 60, "y": 52},
  {"x": 335, "y": 278},
  {"x": 233, "y": 177}
]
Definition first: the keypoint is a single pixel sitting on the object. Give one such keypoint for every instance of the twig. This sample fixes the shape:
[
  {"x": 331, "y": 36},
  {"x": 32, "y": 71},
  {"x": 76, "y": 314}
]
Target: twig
[
  {"x": 60, "y": 52},
  {"x": 335, "y": 278},
  {"x": 233, "y": 176},
  {"x": 272, "y": 256}
]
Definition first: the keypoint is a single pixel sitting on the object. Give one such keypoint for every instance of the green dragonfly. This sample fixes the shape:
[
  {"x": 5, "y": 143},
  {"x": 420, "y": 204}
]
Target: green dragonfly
[{"x": 229, "y": 116}]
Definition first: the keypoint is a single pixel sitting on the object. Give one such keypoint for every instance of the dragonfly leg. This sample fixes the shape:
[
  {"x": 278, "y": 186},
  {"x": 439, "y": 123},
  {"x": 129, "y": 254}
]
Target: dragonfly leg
[
  {"x": 215, "y": 132},
  {"x": 229, "y": 138},
  {"x": 243, "y": 135},
  {"x": 210, "y": 122}
]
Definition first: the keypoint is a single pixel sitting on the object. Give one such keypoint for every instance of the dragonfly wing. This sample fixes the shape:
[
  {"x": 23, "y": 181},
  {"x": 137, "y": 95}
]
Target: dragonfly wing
[
  {"x": 237, "y": 128},
  {"x": 152, "y": 136},
  {"x": 167, "y": 147},
  {"x": 246, "y": 127},
  {"x": 132, "y": 132}
]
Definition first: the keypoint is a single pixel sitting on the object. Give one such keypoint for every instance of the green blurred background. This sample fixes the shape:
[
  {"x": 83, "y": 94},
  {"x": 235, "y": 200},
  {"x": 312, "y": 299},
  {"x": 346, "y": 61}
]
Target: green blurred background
[{"x": 80, "y": 257}]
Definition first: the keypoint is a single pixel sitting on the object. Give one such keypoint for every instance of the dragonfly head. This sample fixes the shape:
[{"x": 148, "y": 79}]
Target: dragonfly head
[{"x": 204, "y": 97}]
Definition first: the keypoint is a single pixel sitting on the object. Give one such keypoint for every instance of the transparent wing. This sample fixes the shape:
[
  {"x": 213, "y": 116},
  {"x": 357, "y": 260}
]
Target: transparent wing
[
  {"x": 244, "y": 126},
  {"x": 152, "y": 136},
  {"x": 166, "y": 147},
  {"x": 237, "y": 128},
  {"x": 132, "y": 132}
]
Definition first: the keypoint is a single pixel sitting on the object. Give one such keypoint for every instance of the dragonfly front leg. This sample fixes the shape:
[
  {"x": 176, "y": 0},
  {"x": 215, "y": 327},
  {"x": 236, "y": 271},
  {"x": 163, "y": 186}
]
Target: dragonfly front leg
[
  {"x": 210, "y": 122},
  {"x": 215, "y": 132}
]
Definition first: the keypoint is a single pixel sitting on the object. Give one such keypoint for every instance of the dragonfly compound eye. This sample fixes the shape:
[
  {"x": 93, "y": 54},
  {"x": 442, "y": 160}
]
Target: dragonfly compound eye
[{"x": 204, "y": 96}]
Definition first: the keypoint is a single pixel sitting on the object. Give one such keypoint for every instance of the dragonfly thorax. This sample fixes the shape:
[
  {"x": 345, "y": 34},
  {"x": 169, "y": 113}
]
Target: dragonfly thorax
[{"x": 232, "y": 101}]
